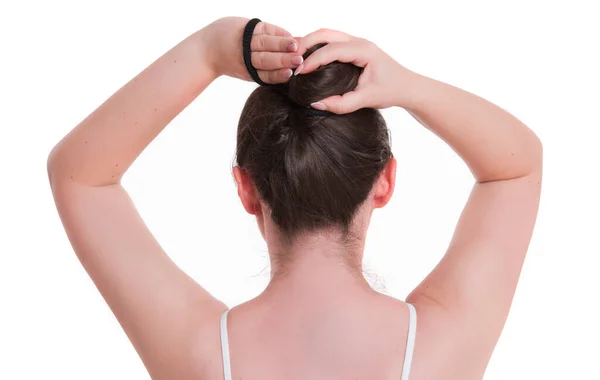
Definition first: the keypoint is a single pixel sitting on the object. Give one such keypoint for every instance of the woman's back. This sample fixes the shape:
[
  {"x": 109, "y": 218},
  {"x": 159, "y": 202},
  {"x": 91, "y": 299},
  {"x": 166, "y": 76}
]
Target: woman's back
[
  {"x": 363, "y": 339},
  {"x": 366, "y": 338}
]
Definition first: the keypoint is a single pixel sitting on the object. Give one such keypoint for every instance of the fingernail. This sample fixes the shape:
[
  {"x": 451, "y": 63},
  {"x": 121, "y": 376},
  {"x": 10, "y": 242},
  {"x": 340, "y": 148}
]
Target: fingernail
[
  {"x": 319, "y": 106},
  {"x": 298, "y": 69},
  {"x": 292, "y": 46},
  {"x": 297, "y": 60},
  {"x": 287, "y": 73}
]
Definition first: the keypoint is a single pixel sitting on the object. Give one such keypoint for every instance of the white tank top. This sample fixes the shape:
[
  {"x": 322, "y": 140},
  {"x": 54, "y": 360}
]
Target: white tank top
[{"x": 410, "y": 344}]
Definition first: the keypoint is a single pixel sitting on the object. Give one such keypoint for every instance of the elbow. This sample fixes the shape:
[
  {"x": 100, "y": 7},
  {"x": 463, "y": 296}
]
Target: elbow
[
  {"x": 533, "y": 159},
  {"x": 528, "y": 161},
  {"x": 53, "y": 165},
  {"x": 537, "y": 156}
]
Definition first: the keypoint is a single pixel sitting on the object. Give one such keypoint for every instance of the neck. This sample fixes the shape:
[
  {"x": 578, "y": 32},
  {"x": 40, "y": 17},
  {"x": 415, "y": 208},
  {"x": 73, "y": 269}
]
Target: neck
[{"x": 317, "y": 271}]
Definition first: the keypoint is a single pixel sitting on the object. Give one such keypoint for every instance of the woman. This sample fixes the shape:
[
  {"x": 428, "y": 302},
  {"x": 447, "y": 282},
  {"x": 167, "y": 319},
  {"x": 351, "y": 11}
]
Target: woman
[{"x": 312, "y": 179}]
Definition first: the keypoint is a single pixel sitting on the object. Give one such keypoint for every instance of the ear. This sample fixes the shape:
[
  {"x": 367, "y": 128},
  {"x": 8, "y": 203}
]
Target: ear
[
  {"x": 246, "y": 191},
  {"x": 384, "y": 187}
]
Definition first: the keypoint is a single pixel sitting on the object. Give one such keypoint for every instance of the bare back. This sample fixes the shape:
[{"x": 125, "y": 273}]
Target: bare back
[{"x": 366, "y": 339}]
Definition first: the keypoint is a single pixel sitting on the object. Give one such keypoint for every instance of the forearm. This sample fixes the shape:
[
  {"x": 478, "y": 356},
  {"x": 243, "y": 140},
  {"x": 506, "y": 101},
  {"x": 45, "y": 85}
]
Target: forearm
[
  {"x": 104, "y": 145},
  {"x": 494, "y": 144}
]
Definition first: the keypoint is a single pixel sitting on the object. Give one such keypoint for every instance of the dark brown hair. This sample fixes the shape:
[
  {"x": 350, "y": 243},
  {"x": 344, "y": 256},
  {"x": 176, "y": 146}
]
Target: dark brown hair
[{"x": 313, "y": 171}]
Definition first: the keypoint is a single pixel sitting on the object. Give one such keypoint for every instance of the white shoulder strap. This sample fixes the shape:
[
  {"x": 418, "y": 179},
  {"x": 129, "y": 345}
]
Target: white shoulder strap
[
  {"x": 410, "y": 341},
  {"x": 225, "y": 347}
]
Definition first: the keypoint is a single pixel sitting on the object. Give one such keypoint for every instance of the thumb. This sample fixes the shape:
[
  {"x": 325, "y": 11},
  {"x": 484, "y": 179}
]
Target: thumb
[{"x": 340, "y": 104}]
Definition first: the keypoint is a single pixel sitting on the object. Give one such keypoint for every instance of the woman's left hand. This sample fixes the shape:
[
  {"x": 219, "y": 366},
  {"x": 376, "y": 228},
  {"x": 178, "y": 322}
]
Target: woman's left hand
[{"x": 274, "y": 50}]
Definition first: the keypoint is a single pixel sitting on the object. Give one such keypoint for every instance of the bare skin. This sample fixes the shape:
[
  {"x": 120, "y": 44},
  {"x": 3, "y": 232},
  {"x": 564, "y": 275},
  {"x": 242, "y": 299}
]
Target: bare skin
[{"x": 318, "y": 318}]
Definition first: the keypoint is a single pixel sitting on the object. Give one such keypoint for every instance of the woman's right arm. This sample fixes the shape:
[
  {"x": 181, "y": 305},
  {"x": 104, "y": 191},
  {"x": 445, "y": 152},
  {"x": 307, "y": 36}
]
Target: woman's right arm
[
  {"x": 475, "y": 281},
  {"x": 464, "y": 302}
]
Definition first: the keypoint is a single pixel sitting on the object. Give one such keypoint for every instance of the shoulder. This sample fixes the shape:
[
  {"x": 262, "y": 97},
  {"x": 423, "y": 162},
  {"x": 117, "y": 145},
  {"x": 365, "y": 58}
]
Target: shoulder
[
  {"x": 200, "y": 352},
  {"x": 206, "y": 354}
]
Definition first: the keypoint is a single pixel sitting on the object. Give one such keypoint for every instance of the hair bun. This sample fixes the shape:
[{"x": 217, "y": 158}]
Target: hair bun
[
  {"x": 312, "y": 172},
  {"x": 335, "y": 78}
]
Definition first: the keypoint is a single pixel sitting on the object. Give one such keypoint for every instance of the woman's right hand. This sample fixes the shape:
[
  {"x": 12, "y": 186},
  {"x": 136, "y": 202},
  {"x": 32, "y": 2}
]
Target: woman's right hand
[{"x": 383, "y": 83}]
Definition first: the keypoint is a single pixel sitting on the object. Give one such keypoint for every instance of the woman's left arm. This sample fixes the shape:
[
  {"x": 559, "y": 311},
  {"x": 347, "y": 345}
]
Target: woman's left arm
[{"x": 162, "y": 310}]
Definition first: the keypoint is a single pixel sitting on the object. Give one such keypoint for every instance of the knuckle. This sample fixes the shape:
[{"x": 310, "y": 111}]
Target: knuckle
[
  {"x": 269, "y": 29},
  {"x": 268, "y": 77},
  {"x": 257, "y": 60},
  {"x": 278, "y": 76},
  {"x": 370, "y": 44},
  {"x": 281, "y": 76}
]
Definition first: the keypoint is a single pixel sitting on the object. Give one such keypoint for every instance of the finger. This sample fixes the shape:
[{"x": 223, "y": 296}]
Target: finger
[
  {"x": 275, "y": 76},
  {"x": 340, "y": 104},
  {"x": 273, "y": 30},
  {"x": 351, "y": 51},
  {"x": 321, "y": 36},
  {"x": 266, "y": 42},
  {"x": 274, "y": 61}
]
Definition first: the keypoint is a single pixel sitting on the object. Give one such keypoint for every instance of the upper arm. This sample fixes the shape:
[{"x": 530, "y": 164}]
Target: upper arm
[
  {"x": 473, "y": 285},
  {"x": 160, "y": 308}
]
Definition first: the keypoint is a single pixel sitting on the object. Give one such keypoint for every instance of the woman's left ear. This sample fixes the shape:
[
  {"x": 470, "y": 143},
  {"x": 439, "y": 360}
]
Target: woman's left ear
[
  {"x": 384, "y": 187},
  {"x": 246, "y": 191}
]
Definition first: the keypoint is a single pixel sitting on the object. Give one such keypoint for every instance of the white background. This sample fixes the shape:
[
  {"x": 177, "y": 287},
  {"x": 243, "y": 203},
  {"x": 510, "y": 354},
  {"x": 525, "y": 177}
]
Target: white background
[{"x": 61, "y": 59}]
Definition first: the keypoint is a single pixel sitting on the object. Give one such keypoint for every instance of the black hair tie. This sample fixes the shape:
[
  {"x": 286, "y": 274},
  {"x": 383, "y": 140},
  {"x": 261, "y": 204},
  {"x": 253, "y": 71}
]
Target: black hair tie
[
  {"x": 246, "y": 50},
  {"x": 246, "y": 53}
]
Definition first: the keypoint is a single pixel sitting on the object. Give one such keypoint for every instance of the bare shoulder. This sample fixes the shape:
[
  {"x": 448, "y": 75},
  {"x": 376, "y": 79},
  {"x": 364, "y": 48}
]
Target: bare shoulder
[
  {"x": 206, "y": 356},
  {"x": 442, "y": 345},
  {"x": 434, "y": 356}
]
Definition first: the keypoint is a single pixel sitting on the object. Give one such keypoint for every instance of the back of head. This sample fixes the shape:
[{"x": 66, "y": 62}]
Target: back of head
[{"x": 313, "y": 171}]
